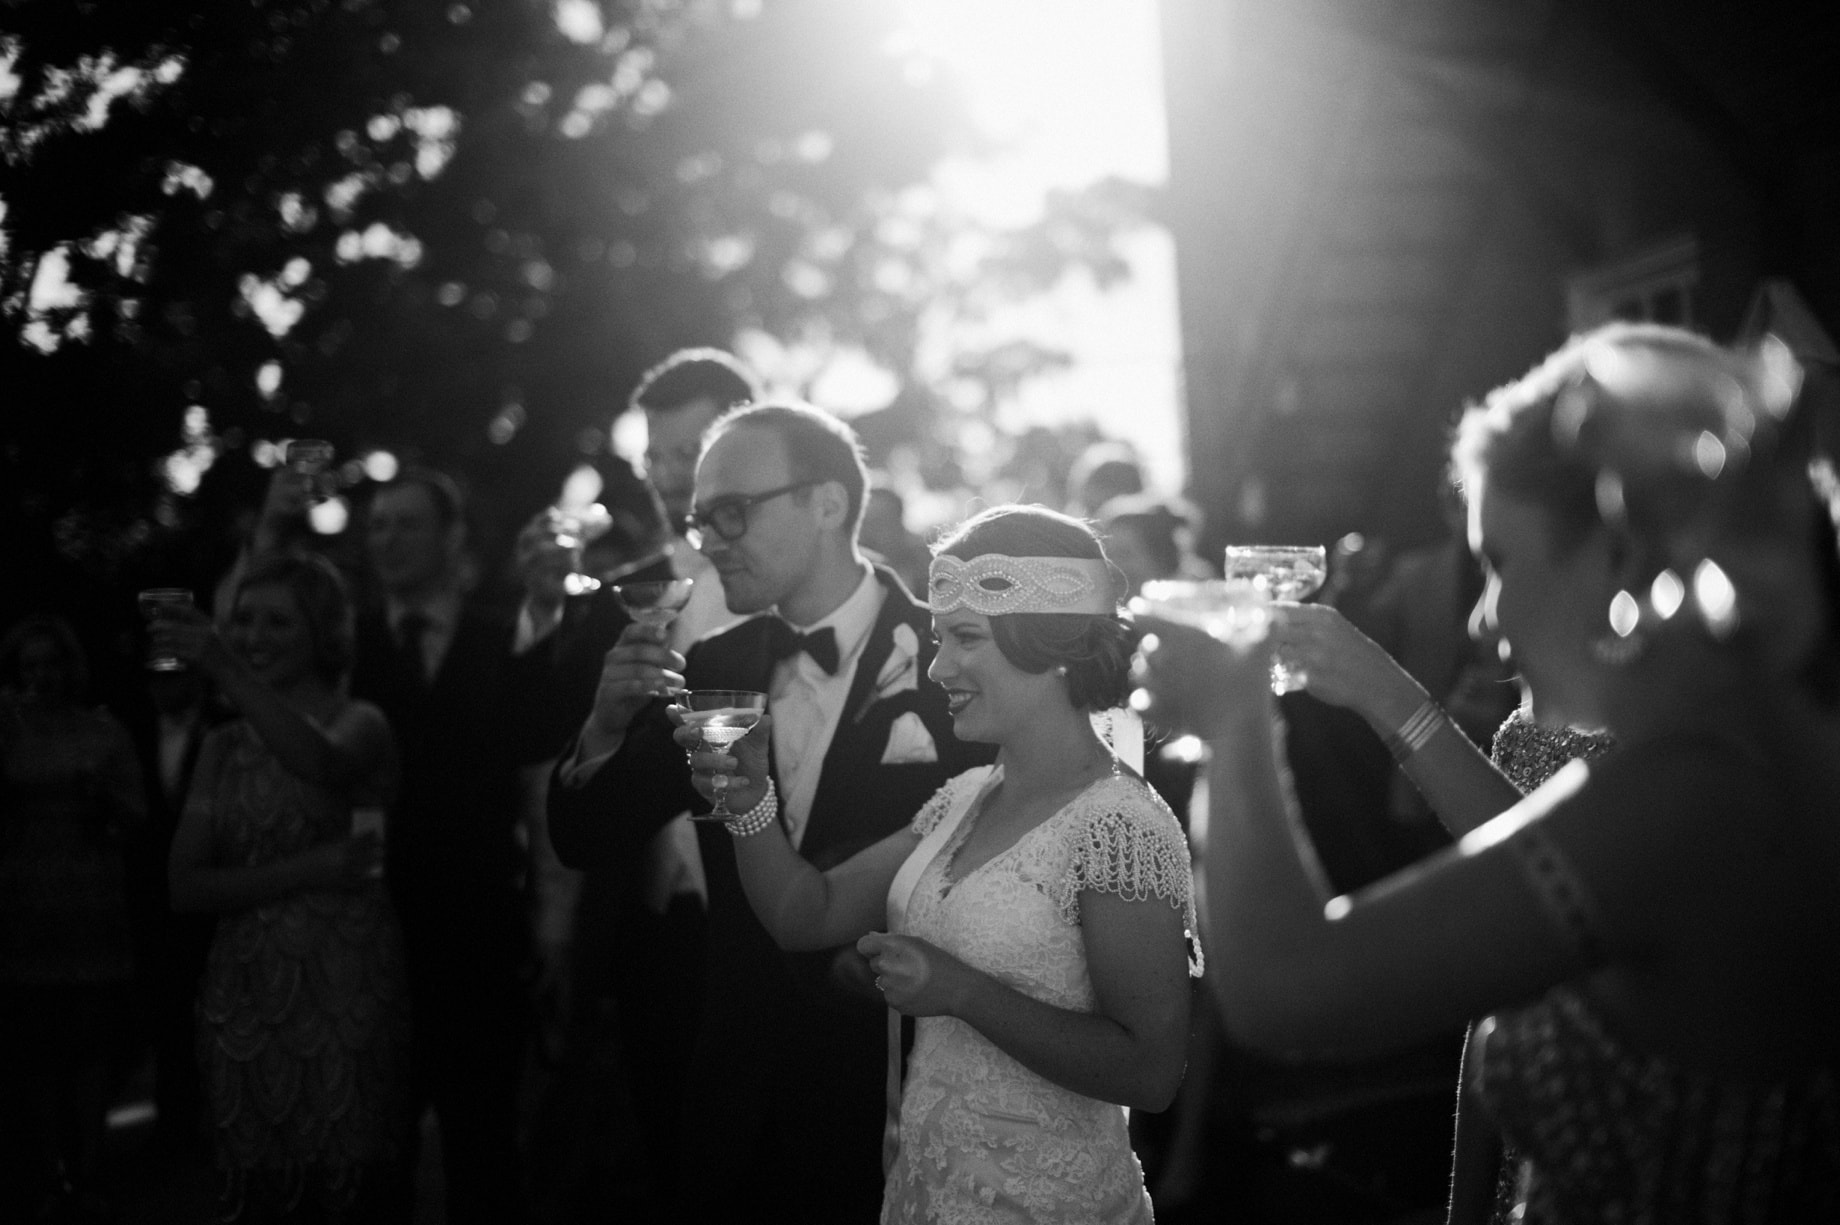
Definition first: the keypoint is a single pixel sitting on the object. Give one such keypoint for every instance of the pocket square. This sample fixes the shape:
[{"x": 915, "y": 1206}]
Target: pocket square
[{"x": 909, "y": 742}]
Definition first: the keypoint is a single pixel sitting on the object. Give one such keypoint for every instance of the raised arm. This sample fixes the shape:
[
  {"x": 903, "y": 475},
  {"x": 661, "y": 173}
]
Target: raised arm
[
  {"x": 356, "y": 749},
  {"x": 622, "y": 779},
  {"x": 1347, "y": 668},
  {"x": 1418, "y": 954}
]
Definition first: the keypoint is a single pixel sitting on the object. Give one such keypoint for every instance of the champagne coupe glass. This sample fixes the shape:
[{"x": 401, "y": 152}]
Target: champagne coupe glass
[
  {"x": 572, "y": 529},
  {"x": 1282, "y": 572},
  {"x": 724, "y": 716},
  {"x": 655, "y": 604},
  {"x": 312, "y": 458}
]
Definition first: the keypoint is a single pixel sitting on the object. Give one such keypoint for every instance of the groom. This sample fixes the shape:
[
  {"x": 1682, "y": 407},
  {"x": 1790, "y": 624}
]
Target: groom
[{"x": 784, "y": 1102}]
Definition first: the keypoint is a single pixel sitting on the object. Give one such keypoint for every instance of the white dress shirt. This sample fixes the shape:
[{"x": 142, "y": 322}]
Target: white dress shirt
[{"x": 806, "y": 704}]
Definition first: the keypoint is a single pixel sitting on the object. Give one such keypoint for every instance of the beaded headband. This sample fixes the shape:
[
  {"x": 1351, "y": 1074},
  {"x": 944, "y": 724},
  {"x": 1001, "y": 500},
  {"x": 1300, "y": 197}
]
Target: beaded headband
[{"x": 995, "y": 585}]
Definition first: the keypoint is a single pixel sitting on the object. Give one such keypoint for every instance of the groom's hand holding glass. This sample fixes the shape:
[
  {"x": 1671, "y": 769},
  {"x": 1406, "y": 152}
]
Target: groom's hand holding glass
[{"x": 640, "y": 666}]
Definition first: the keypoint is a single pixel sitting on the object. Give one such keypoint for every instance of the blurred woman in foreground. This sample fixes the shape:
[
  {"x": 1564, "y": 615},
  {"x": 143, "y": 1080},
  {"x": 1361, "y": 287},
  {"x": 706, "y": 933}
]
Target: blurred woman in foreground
[{"x": 1657, "y": 932}]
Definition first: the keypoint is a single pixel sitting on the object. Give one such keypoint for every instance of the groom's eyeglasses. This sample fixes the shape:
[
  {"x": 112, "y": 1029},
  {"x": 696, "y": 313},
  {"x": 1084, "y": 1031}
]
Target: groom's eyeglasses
[{"x": 728, "y": 517}]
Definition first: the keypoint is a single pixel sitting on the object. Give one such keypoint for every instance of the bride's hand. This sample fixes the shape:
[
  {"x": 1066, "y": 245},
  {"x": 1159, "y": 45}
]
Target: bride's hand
[
  {"x": 744, "y": 762},
  {"x": 915, "y": 977}
]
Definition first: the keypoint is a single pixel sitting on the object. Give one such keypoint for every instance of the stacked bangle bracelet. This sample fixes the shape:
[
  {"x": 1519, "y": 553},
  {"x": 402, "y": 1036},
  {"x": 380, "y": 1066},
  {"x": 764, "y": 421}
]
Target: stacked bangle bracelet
[
  {"x": 757, "y": 818},
  {"x": 1416, "y": 731}
]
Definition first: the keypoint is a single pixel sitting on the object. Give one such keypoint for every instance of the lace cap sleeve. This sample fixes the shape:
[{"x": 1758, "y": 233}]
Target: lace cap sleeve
[
  {"x": 958, "y": 788},
  {"x": 1127, "y": 842}
]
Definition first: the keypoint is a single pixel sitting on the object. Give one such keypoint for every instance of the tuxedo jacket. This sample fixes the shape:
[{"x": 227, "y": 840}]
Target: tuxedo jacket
[
  {"x": 860, "y": 798},
  {"x": 453, "y": 855}
]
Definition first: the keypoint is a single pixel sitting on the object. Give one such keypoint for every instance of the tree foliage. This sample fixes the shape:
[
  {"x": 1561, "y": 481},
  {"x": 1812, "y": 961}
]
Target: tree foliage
[{"x": 456, "y": 231}]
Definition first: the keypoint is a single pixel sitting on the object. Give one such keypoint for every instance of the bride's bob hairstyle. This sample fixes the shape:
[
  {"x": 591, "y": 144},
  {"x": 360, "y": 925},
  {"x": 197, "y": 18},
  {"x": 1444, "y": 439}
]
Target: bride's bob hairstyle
[{"x": 1094, "y": 648}]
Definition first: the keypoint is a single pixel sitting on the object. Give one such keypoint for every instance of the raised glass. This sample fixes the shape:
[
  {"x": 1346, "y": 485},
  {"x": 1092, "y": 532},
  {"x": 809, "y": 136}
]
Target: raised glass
[
  {"x": 153, "y": 603},
  {"x": 723, "y": 716},
  {"x": 655, "y": 604},
  {"x": 312, "y": 458},
  {"x": 1281, "y": 572},
  {"x": 571, "y": 530}
]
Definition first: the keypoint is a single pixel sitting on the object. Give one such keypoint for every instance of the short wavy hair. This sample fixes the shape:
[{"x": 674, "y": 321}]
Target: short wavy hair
[
  {"x": 1095, "y": 648},
  {"x": 324, "y": 600},
  {"x": 689, "y": 375},
  {"x": 59, "y": 632},
  {"x": 1516, "y": 442}
]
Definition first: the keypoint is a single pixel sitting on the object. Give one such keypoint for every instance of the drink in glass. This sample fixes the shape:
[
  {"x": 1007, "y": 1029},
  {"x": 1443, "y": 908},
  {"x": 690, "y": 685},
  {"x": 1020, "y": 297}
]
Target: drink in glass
[
  {"x": 654, "y": 604},
  {"x": 723, "y": 716},
  {"x": 309, "y": 456},
  {"x": 571, "y": 530},
  {"x": 153, "y": 601},
  {"x": 312, "y": 459},
  {"x": 1282, "y": 572}
]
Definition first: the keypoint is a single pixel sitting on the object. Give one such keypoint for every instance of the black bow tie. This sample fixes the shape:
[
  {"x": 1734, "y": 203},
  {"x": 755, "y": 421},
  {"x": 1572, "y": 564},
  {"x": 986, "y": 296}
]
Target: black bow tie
[{"x": 820, "y": 644}]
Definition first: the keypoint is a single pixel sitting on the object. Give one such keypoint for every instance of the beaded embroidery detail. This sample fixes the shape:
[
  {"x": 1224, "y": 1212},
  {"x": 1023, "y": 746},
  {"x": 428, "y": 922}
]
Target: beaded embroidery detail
[
  {"x": 994, "y": 585},
  {"x": 1529, "y": 753}
]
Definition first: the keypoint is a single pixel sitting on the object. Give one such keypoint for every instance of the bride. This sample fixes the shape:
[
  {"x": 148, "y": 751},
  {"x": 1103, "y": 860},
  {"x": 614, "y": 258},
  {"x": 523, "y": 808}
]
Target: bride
[{"x": 1033, "y": 916}]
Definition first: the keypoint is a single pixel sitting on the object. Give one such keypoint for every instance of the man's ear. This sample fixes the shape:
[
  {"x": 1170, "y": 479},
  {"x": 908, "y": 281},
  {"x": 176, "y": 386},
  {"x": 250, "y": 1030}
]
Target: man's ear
[{"x": 832, "y": 502}]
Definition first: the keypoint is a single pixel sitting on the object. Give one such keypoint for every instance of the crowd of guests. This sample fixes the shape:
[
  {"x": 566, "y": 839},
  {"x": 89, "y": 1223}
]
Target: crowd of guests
[{"x": 1548, "y": 828}]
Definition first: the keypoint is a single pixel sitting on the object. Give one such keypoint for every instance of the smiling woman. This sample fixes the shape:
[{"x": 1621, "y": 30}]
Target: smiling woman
[{"x": 303, "y": 1008}]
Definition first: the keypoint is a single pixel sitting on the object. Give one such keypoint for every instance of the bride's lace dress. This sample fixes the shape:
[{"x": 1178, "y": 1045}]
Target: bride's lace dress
[{"x": 983, "y": 1139}]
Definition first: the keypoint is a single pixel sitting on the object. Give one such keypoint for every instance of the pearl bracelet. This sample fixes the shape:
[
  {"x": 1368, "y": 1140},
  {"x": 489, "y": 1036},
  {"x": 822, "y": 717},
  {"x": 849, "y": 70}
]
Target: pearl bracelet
[
  {"x": 757, "y": 818},
  {"x": 1416, "y": 731}
]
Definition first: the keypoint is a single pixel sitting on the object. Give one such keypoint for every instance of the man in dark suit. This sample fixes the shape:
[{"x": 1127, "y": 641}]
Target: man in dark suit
[
  {"x": 459, "y": 696},
  {"x": 171, "y": 948},
  {"x": 785, "y": 1089}
]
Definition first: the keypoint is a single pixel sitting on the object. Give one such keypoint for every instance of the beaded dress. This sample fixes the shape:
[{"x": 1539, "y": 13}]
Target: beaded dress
[
  {"x": 1596, "y": 1129},
  {"x": 982, "y": 1138},
  {"x": 303, "y": 1009}
]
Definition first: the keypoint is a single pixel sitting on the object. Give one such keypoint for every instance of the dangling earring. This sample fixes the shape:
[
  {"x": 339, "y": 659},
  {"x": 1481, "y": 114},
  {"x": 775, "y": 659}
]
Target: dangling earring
[{"x": 1625, "y": 642}]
